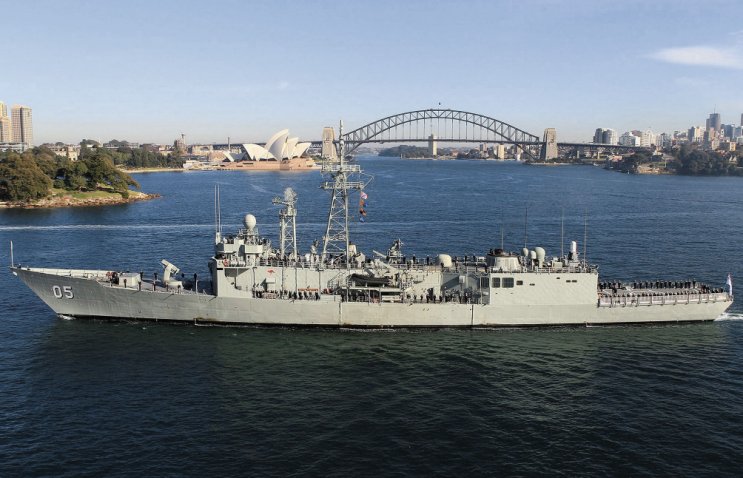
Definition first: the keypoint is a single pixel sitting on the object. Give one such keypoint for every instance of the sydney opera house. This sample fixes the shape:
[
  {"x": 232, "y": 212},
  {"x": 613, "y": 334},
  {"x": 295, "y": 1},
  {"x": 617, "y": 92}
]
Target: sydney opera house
[{"x": 280, "y": 153}]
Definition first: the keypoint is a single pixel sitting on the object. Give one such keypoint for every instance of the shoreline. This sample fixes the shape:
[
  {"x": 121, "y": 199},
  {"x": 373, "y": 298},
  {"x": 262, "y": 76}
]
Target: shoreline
[
  {"x": 67, "y": 200},
  {"x": 151, "y": 170}
]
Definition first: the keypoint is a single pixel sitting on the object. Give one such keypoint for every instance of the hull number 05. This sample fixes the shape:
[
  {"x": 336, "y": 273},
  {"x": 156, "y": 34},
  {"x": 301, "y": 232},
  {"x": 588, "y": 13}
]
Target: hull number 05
[{"x": 62, "y": 292}]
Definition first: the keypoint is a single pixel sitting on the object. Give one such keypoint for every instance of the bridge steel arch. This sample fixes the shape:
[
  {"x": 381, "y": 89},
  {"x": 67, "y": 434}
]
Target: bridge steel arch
[{"x": 503, "y": 132}]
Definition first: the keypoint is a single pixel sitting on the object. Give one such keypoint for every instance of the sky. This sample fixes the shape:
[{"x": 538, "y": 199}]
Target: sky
[{"x": 147, "y": 71}]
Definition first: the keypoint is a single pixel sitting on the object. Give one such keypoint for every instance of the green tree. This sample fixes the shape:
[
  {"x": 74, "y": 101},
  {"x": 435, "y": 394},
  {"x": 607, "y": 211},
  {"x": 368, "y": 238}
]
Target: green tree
[{"x": 21, "y": 179}]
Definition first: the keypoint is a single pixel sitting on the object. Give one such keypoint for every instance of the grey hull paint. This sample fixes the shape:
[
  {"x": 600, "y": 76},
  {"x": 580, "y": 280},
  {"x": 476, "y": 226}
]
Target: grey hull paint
[{"x": 91, "y": 298}]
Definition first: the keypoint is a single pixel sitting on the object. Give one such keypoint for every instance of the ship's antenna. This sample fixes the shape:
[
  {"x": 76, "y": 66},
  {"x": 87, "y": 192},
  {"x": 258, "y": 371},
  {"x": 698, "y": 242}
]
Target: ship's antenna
[
  {"x": 562, "y": 233},
  {"x": 501, "y": 236},
  {"x": 526, "y": 217},
  {"x": 217, "y": 214},
  {"x": 585, "y": 235},
  {"x": 12, "y": 263}
]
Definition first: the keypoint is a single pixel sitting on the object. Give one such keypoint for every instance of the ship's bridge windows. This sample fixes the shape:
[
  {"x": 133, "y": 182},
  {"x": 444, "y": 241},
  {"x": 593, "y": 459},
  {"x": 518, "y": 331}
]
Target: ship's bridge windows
[
  {"x": 519, "y": 282},
  {"x": 484, "y": 282},
  {"x": 508, "y": 282},
  {"x": 496, "y": 282}
]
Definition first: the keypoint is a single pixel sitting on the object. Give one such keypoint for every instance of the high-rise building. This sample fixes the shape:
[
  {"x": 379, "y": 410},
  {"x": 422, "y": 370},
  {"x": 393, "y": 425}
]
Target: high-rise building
[
  {"x": 23, "y": 130},
  {"x": 647, "y": 138},
  {"x": 610, "y": 136},
  {"x": 629, "y": 139},
  {"x": 695, "y": 134},
  {"x": 6, "y": 131},
  {"x": 663, "y": 140},
  {"x": 598, "y": 135},
  {"x": 714, "y": 122},
  {"x": 727, "y": 130}
]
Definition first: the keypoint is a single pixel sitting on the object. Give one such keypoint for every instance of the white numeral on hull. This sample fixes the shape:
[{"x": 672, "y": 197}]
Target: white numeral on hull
[{"x": 62, "y": 292}]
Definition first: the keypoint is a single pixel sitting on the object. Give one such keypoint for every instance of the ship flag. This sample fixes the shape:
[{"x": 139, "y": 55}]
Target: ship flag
[
  {"x": 729, "y": 283},
  {"x": 362, "y": 204}
]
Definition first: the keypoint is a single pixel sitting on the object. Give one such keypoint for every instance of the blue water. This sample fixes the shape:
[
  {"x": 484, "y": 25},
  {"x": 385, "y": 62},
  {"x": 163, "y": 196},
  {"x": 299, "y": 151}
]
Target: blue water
[{"x": 88, "y": 398}]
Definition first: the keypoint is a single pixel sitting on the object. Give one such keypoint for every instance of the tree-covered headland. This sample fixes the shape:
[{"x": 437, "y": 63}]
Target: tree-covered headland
[
  {"x": 687, "y": 160},
  {"x": 37, "y": 173}
]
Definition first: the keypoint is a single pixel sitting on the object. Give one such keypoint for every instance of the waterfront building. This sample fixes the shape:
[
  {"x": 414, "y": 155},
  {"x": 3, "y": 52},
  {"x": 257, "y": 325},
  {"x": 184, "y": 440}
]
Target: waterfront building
[
  {"x": 22, "y": 125},
  {"x": 180, "y": 144},
  {"x": 598, "y": 136},
  {"x": 610, "y": 136},
  {"x": 629, "y": 139},
  {"x": 647, "y": 138},
  {"x": 278, "y": 147},
  {"x": 501, "y": 152}
]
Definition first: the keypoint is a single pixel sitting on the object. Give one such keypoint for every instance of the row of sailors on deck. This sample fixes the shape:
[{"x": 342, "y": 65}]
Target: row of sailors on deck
[
  {"x": 615, "y": 286},
  {"x": 669, "y": 293},
  {"x": 662, "y": 291},
  {"x": 259, "y": 293}
]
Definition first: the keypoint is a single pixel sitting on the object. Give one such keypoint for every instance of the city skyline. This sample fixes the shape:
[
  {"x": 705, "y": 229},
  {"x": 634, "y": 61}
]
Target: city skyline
[{"x": 147, "y": 73}]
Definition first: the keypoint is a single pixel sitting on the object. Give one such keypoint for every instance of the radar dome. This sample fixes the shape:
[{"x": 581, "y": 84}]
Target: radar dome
[
  {"x": 540, "y": 252},
  {"x": 444, "y": 260},
  {"x": 249, "y": 222}
]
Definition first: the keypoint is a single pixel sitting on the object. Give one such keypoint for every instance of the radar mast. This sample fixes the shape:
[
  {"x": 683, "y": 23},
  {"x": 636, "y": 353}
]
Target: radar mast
[{"x": 340, "y": 178}]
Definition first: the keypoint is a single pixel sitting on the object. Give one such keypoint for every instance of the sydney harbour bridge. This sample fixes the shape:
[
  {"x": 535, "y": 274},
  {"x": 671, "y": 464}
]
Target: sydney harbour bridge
[{"x": 434, "y": 126}]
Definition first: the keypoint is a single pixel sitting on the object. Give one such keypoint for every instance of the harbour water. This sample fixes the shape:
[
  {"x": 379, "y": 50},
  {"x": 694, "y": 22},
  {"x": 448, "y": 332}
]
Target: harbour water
[{"x": 131, "y": 399}]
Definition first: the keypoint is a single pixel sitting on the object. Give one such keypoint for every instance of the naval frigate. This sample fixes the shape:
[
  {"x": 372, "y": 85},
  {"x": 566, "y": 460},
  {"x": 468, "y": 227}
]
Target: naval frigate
[{"x": 253, "y": 283}]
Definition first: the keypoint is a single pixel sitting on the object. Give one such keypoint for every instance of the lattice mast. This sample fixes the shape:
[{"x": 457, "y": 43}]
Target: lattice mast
[
  {"x": 340, "y": 182},
  {"x": 288, "y": 223}
]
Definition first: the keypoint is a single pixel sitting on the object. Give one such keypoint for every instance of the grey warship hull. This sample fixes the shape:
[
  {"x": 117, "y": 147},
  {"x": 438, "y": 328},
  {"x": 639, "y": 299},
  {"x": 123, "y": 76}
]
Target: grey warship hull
[{"x": 87, "y": 294}]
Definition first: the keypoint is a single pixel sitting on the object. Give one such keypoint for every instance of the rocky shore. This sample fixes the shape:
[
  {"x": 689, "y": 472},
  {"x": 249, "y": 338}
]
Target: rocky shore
[{"x": 69, "y": 200}]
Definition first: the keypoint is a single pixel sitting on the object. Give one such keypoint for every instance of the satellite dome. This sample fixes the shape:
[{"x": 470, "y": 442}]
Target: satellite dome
[{"x": 249, "y": 222}]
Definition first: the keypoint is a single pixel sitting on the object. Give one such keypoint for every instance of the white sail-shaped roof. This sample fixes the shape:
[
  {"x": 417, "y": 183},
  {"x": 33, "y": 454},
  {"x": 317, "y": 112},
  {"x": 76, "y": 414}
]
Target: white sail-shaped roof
[
  {"x": 275, "y": 137},
  {"x": 300, "y": 149},
  {"x": 291, "y": 143},
  {"x": 276, "y": 144},
  {"x": 278, "y": 147},
  {"x": 256, "y": 152}
]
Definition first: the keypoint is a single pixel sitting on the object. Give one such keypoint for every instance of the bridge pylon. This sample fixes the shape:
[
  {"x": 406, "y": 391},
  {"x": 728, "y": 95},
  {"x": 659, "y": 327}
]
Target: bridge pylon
[{"x": 549, "y": 145}]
